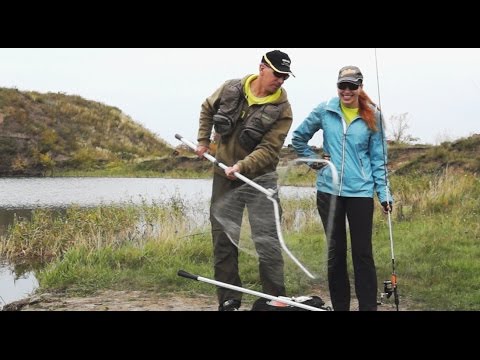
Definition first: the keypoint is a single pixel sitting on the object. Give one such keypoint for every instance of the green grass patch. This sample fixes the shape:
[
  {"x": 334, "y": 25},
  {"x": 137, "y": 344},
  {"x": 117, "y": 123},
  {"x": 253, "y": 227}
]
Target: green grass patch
[{"x": 436, "y": 235}]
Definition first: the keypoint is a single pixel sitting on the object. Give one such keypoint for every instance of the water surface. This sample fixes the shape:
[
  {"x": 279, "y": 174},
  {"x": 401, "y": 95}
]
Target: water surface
[{"x": 19, "y": 196}]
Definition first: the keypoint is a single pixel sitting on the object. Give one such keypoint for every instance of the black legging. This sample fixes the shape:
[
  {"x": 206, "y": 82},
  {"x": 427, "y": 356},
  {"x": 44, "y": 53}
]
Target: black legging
[{"x": 359, "y": 212}]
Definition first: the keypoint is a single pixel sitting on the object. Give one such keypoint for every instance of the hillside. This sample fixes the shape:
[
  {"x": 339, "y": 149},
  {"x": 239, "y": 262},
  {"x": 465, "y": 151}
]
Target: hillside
[
  {"x": 462, "y": 155},
  {"x": 44, "y": 134},
  {"x": 40, "y": 133}
]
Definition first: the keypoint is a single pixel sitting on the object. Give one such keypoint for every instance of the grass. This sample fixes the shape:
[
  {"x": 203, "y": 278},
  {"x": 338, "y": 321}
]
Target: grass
[
  {"x": 435, "y": 226},
  {"x": 133, "y": 172}
]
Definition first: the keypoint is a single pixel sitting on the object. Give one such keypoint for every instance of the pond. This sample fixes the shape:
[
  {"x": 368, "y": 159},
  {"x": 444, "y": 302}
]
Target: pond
[{"x": 19, "y": 196}]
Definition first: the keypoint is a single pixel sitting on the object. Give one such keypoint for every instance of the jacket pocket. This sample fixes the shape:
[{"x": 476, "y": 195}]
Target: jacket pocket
[
  {"x": 257, "y": 126},
  {"x": 249, "y": 138},
  {"x": 361, "y": 160},
  {"x": 229, "y": 110},
  {"x": 222, "y": 124}
]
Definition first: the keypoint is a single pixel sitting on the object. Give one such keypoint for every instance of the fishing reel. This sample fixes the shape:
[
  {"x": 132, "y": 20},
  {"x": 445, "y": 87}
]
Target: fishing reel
[{"x": 388, "y": 290}]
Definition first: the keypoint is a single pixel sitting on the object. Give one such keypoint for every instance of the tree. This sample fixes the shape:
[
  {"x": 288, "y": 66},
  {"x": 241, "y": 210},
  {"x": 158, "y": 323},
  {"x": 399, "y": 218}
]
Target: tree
[{"x": 398, "y": 129}]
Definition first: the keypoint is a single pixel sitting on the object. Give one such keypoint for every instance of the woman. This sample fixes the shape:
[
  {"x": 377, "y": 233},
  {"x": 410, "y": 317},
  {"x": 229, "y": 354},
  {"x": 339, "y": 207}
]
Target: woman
[{"x": 353, "y": 139}]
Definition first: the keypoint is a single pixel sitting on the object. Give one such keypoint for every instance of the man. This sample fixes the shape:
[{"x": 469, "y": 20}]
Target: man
[{"x": 251, "y": 118}]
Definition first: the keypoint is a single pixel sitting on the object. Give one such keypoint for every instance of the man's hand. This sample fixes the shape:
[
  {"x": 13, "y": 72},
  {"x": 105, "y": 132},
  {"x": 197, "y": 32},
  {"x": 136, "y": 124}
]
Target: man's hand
[
  {"x": 387, "y": 207},
  {"x": 230, "y": 171},
  {"x": 201, "y": 149}
]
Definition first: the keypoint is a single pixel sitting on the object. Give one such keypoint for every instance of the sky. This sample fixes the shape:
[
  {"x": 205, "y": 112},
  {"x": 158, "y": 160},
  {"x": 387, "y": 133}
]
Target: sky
[{"x": 163, "y": 88}]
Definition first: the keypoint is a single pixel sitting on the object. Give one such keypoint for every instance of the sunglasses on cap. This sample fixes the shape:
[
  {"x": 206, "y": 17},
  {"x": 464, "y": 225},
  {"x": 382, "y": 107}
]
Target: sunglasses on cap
[{"x": 345, "y": 85}]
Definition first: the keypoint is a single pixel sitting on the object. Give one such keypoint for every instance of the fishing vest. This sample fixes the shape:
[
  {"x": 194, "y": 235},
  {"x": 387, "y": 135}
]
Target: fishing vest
[{"x": 254, "y": 121}]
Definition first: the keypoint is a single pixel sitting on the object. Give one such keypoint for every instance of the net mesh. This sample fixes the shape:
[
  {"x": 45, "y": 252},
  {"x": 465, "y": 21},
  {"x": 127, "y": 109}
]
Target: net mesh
[{"x": 282, "y": 228}]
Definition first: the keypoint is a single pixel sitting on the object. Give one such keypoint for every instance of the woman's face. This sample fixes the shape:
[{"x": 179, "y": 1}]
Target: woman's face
[{"x": 348, "y": 94}]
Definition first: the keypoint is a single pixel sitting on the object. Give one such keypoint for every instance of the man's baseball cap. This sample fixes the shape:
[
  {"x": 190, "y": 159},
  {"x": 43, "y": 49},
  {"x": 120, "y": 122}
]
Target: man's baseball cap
[
  {"x": 278, "y": 61},
  {"x": 350, "y": 74}
]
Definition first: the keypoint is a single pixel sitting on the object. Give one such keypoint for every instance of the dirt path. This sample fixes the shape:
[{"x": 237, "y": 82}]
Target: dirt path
[{"x": 110, "y": 300}]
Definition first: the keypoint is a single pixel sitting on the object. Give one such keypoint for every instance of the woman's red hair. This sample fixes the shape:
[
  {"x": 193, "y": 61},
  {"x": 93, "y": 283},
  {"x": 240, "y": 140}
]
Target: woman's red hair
[{"x": 366, "y": 110}]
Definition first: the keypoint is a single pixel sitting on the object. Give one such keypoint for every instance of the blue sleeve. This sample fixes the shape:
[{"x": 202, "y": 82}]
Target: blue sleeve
[
  {"x": 378, "y": 159},
  {"x": 307, "y": 129}
]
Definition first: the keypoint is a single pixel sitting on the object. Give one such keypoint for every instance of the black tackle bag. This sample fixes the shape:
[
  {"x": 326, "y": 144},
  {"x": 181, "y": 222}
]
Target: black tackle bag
[{"x": 274, "y": 305}]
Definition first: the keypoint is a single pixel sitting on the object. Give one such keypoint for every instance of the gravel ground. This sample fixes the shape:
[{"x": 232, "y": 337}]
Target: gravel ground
[{"x": 138, "y": 301}]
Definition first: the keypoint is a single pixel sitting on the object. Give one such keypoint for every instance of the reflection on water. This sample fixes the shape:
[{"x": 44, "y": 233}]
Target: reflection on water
[
  {"x": 18, "y": 197},
  {"x": 7, "y": 217},
  {"x": 62, "y": 192},
  {"x": 15, "y": 284}
]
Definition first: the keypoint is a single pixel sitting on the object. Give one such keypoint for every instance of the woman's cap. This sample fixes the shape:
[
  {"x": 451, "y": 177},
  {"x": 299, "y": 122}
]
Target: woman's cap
[{"x": 351, "y": 74}]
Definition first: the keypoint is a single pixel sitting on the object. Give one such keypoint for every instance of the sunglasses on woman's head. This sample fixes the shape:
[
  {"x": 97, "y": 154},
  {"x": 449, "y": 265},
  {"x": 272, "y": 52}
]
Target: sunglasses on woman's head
[{"x": 345, "y": 85}]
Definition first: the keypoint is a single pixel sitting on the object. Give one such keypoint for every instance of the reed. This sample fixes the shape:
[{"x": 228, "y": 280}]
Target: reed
[{"x": 435, "y": 226}]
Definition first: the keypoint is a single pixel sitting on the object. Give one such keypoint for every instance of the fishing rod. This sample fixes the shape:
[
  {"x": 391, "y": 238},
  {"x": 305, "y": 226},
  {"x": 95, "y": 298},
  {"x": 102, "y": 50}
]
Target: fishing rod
[
  {"x": 268, "y": 192},
  {"x": 282, "y": 299},
  {"x": 389, "y": 286}
]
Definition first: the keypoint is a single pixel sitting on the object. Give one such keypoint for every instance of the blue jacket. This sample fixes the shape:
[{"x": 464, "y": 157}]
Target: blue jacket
[{"x": 355, "y": 150}]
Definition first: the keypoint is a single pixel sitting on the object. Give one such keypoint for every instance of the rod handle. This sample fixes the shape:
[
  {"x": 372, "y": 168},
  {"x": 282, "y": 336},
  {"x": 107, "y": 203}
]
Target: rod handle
[{"x": 187, "y": 275}]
